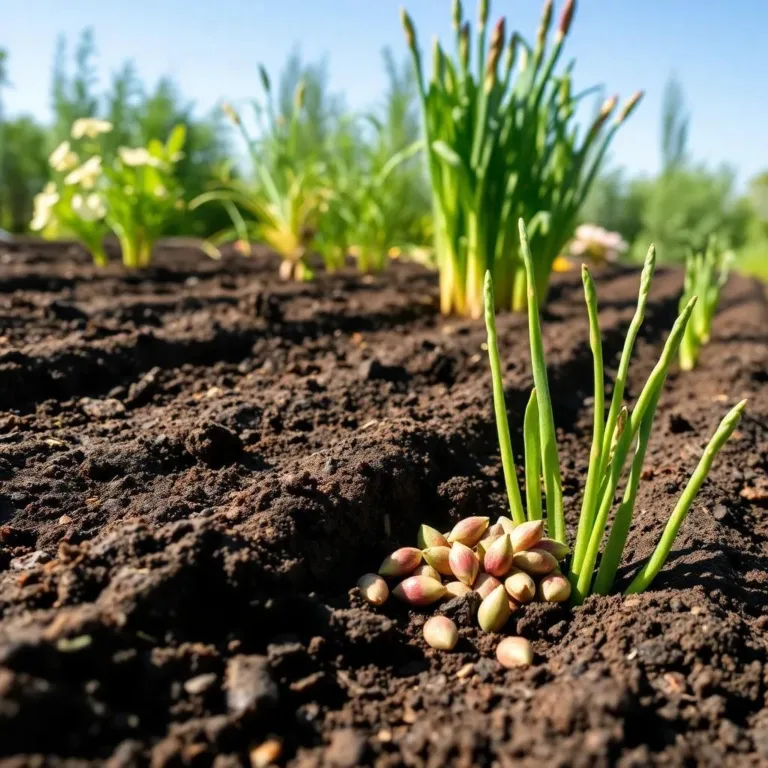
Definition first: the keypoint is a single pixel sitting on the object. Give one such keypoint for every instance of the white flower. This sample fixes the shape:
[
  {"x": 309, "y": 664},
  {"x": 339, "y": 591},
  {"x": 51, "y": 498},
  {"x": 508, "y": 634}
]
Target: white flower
[
  {"x": 62, "y": 158},
  {"x": 87, "y": 174},
  {"x": 138, "y": 156},
  {"x": 89, "y": 207},
  {"x": 592, "y": 240},
  {"x": 44, "y": 202},
  {"x": 90, "y": 127}
]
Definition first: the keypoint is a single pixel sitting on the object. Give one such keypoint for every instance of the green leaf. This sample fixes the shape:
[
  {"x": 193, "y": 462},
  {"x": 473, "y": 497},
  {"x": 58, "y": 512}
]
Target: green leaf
[
  {"x": 176, "y": 139},
  {"x": 399, "y": 158},
  {"x": 447, "y": 154}
]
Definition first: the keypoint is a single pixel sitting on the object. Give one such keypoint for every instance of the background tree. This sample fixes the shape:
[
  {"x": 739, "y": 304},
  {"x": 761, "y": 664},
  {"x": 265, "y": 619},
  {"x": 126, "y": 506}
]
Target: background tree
[
  {"x": 23, "y": 170},
  {"x": 74, "y": 96},
  {"x": 679, "y": 208}
]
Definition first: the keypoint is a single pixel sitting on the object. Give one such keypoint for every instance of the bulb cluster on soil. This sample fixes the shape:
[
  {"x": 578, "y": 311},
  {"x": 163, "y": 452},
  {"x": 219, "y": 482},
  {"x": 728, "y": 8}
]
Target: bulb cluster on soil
[{"x": 507, "y": 565}]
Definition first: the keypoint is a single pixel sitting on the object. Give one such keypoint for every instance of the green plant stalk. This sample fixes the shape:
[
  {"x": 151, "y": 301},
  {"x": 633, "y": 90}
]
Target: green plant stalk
[
  {"x": 617, "y": 538},
  {"x": 690, "y": 347},
  {"x": 594, "y": 475},
  {"x": 532, "y": 458},
  {"x": 582, "y": 573},
  {"x": 626, "y": 355},
  {"x": 581, "y": 577},
  {"x": 700, "y": 279},
  {"x": 656, "y": 562},
  {"x": 99, "y": 254},
  {"x": 137, "y": 252},
  {"x": 549, "y": 456},
  {"x": 500, "y": 408}
]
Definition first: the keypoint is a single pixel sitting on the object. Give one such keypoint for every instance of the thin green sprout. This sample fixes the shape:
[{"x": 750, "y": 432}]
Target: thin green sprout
[
  {"x": 702, "y": 278},
  {"x": 594, "y": 474},
  {"x": 582, "y": 575},
  {"x": 617, "y": 538},
  {"x": 610, "y": 448},
  {"x": 619, "y": 385},
  {"x": 500, "y": 408},
  {"x": 532, "y": 458},
  {"x": 656, "y": 562},
  {"x": 549, "y": 456}
]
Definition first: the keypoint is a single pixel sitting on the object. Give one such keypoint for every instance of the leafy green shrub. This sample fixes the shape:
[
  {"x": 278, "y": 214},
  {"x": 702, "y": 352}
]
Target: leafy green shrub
[{"x": 131, "y": 197}]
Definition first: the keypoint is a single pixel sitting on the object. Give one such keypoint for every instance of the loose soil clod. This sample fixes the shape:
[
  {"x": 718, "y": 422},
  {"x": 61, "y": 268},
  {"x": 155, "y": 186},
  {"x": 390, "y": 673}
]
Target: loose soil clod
[{"x": 171, "y": 569}]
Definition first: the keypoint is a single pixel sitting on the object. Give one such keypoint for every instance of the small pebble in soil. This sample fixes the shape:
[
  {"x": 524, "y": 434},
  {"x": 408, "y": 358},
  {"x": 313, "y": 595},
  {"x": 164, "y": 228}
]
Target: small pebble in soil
[
  {"x": 461, "y": 609},
  {"x": 31, "y": 560},
  {"x": 197, "y": 685},
  {"x": 465, "y": 671},
  {"x": 346, "y": 749},
  {"x": 250, "y": 686},
  {"x": 266, "y": 754}
]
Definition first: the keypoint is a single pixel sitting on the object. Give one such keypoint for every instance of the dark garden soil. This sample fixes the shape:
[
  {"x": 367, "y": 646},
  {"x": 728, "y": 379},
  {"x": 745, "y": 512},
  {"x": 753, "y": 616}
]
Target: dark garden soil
[{"x": 198, "y": 462}]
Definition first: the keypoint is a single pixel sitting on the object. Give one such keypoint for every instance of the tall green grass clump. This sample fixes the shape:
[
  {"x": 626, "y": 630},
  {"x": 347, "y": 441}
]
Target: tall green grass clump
[
  {"x": 282, "y": 208},
  {"x": 502, "y": 143},
  {"x": 614, "y": 437}
]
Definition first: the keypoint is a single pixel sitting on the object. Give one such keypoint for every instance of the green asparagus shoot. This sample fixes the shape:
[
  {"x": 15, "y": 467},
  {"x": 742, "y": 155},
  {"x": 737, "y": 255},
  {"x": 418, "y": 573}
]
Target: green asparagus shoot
[
  {"x": 502, "y": 425},
  {"x": 656, "y": 562},
  {"x": 612, "y": 439},
  {"x": 532, "y": 458},
  {"x": 549, "y": 457}
]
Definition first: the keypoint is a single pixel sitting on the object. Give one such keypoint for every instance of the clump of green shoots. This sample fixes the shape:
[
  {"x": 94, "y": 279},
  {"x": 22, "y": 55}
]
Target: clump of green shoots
[
  {"x": 612, "y": 440},
  {"x": 705, "y": 275},
  {"x": 283, "y": 207},
  {"x": 502, "y": 143}
]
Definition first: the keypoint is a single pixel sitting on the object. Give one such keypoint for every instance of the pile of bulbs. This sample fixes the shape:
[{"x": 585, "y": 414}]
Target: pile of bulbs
[{"x": 507, "y": 565}]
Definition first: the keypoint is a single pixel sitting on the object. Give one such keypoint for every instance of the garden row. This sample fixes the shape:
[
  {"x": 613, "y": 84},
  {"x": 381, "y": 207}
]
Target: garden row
[{"x": 199, "y": 461}]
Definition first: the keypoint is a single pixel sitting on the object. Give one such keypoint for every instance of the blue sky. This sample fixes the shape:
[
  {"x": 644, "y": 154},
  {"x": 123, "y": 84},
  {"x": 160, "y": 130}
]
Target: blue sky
[{"x": 717, "y": 48}]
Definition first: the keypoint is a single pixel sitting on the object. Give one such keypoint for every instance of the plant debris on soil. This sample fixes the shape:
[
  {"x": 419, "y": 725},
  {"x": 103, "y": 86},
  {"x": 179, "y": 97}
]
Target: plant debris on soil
[{"x": 197, "y": 462}]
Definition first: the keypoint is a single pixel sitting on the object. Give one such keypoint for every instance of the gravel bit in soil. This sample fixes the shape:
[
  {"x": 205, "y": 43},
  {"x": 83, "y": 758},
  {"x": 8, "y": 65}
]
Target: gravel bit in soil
[{"x": 198, "y": 462}]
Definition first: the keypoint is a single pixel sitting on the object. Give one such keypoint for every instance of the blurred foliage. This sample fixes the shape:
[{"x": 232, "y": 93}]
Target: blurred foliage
[
  {"x": 685, "y": 204},
  {"x": 361, "y": 210},
  {"x": 753, "y": 257},
  {"x": 324, "y": 179},
  {"x": 140, "y": 115},
  {"x": 23, "y": 170},
  {"x": 379, "y": 201},
  {"x": 678, "y": 209}
]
